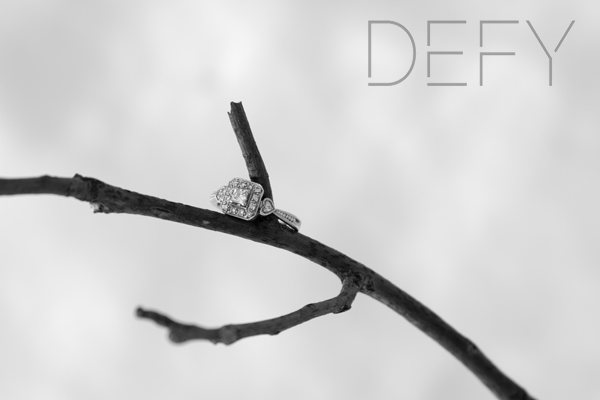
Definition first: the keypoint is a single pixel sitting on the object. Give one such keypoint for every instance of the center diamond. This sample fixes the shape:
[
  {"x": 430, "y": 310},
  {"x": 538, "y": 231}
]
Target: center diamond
[{"x": 240, "y": 196}]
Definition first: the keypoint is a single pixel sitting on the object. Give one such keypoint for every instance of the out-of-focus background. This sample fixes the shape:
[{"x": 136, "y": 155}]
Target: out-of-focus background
[{"x": 481, "y": 201}]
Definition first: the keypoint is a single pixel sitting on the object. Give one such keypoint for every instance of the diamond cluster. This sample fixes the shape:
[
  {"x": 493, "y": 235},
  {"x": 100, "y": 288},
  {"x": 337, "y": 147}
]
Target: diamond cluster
[{"x": 240, "y": 198}]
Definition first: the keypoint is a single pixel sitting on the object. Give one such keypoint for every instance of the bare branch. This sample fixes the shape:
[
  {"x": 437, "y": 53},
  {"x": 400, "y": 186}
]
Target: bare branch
[
  {"x": 254, "y": 162},
  {"x": 229, "y": 334},
  {"x": 42, "y": 185},
  {"x": 111, "y": 199}
]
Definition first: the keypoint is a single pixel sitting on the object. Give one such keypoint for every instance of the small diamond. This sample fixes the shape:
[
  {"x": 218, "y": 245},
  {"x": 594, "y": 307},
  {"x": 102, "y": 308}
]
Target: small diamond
[
  {"x": 267, "y": 207},
  {"x": 240, "y": 196}
]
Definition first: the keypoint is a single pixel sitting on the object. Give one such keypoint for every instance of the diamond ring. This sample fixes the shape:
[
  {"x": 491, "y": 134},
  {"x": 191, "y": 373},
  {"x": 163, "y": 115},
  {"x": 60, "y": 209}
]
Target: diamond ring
[{"x": 244, "y": 199}]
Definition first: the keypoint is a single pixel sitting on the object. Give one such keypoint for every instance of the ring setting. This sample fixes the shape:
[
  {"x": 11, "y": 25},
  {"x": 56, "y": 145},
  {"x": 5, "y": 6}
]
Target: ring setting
[{"x": 244, "y": 199}]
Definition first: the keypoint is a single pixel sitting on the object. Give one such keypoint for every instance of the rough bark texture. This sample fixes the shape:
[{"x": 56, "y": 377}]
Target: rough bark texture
[{"x": 355, "y": 276}]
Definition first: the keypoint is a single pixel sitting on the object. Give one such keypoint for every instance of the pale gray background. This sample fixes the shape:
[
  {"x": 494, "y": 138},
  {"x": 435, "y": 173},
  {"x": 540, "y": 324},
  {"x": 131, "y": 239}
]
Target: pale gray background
[{"x": 482, "y": 202}]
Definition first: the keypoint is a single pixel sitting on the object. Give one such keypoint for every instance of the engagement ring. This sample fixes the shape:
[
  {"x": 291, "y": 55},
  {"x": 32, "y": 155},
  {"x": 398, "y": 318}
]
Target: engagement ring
[{"x": 244, "y": 199}]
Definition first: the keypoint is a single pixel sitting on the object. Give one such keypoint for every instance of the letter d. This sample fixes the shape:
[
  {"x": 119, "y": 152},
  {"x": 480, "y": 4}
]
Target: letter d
[{"x": 413, "y": 60}]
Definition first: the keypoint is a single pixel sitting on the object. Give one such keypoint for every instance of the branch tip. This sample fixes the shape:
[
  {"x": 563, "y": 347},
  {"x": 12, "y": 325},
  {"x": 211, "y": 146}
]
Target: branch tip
[{"x": 257, "y": 171}]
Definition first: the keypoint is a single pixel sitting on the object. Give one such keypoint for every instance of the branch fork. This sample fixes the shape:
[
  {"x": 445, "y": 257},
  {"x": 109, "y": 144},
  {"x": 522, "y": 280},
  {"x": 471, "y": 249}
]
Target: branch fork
[
  {"x": 229, "y": 334},
  {"x": 354, "y": 276}
]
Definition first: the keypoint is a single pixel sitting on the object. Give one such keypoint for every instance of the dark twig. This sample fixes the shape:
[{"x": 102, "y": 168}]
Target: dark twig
[
  {"x": 229, "y": 334},
  {"x": 254, "y": 162},
  {"x": 110, "y": 199}
]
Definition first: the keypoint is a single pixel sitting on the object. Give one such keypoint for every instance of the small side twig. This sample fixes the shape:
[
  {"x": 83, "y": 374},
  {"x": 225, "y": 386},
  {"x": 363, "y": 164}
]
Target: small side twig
[
  {"x": 228, "y": 334},
  {"x": 254, "y": 162},
  {"x": 106, "y": 198}
]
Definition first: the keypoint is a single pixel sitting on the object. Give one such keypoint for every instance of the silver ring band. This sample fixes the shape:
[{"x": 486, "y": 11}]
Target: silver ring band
[{"x": 244, "y": 199}]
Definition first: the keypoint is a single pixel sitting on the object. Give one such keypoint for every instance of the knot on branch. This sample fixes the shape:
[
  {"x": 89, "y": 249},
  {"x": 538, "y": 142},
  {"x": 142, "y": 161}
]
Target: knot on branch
[{"x": 229, "y": 334}]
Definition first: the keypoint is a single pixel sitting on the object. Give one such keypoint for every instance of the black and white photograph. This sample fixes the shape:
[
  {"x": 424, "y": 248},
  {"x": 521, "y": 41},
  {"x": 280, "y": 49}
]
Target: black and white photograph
[{"x": 299, "y": 200}]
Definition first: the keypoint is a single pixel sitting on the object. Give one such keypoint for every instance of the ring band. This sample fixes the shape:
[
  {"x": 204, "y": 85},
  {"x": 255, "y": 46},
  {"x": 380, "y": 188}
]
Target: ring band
[{"x": 244, "y": 199}]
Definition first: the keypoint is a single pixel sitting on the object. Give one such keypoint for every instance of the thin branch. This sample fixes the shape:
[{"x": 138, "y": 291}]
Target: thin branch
[
  {"x": 111, "y": 199},
  {"x": 42, "y": 185},
  {"x": 254, "y": 162},
  {"x": 229, "y": 334}
]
